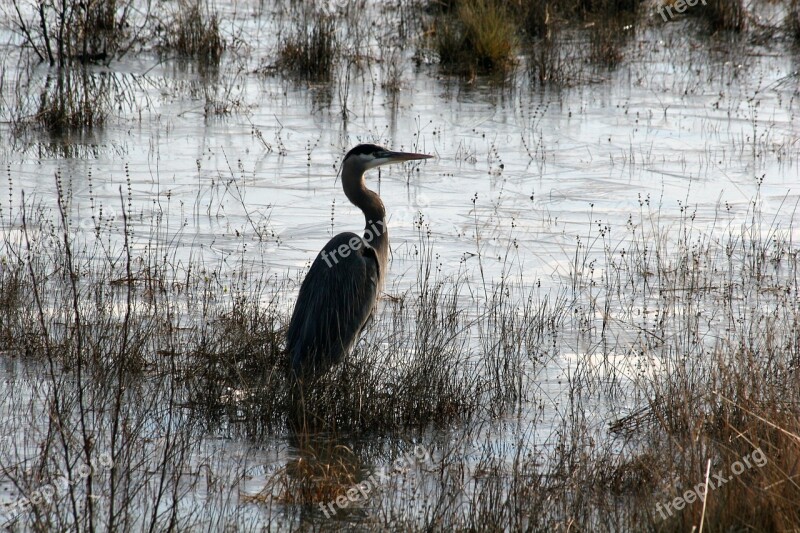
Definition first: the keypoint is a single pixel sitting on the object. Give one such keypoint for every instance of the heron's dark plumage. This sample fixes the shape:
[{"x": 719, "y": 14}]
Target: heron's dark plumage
[
  {"x": 334, "y": 304},
  {"x": 341, "y": 289},
  {"x": 364, "y": 149}
]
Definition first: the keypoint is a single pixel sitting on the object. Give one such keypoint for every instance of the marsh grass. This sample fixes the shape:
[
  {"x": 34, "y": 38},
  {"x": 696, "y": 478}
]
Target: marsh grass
[
  {"x": 414, "y": 369},
  {"x": 555, "y": 61},
  {"x": 721, "y": 328},
  {"x": 142, "y": 355},
  {"x": 61, "y": 101},
  {"x": 479, "y": 37},
  {"x": 612, "y": 24},
  {"x": 732, "y": 381},
  {"x": 63, "y": 32},
  {"x": 722, "y": 15},
  {"x": 537, "y": 18},
  {"x": 74, "y": 95},
  {"x": 319, "y": 43},
  {"x": 793, "y": 19},
  {"x": 73, "y": 99},
  {"x": 664, "y": 348},
  {"x": 482, "y": 37},
  {"x": 194, "y": 33},
  {"x": 134, "y": 338},
  {"x": 311, "y": 49},
  {"x": 606, "y": 43},
  {"x": 83, "y": 357}
]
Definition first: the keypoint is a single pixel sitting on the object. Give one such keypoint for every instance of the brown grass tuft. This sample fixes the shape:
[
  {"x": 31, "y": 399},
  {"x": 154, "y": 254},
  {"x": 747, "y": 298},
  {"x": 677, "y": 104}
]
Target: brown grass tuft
[{"x": 481, "y": 38}]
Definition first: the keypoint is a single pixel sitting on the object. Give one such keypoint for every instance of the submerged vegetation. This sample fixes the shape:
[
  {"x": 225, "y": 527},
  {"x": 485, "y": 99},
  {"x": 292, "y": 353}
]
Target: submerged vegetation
[
  {"x": 645, "y": 379},
  {"x": 560, "y": 43},
  {"x": 310, "y": 51},
  {"x": 69, "y": 37},
  {"x": 77, "y": 38},
  {"x": 194, "y": 33},
  {"x": 60, "y": 33},
  {"x": 72, "y": 100}
]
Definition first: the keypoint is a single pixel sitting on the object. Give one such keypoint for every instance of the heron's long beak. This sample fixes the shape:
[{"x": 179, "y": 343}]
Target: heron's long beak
[{"x": 399, "y": 157}]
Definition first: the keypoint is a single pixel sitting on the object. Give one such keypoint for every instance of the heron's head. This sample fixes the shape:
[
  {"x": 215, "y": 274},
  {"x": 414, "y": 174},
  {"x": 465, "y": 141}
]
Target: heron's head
[{"x": 367, "y": 156}]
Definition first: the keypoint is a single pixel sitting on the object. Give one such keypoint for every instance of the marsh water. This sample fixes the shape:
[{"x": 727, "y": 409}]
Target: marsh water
[{"x": 238, "y": 166}]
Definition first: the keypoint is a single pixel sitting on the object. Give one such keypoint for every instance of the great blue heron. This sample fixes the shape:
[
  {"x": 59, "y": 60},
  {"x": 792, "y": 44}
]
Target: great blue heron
[{"x": 340, "y": 291}]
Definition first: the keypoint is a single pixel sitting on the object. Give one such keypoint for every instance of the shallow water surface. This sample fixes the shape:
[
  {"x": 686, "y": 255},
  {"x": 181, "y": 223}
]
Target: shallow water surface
[{"x": 522, "y": 176}]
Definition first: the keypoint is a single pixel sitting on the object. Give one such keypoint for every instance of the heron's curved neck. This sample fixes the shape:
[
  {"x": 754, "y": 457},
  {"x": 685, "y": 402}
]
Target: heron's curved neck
[
  {"x": 366, "y": 200},
  {"x": 375, "y": 230}
]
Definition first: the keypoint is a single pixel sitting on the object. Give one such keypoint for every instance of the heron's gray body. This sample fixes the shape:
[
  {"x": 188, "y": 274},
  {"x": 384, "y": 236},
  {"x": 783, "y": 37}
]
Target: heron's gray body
[
  {"x": 327, "y": 321},
  {"x": 341, "y": 289}
]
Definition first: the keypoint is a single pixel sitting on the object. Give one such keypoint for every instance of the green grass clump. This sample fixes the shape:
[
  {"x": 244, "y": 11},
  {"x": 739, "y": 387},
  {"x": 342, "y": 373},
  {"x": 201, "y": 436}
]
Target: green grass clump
[{"x": 480, "y": 38}]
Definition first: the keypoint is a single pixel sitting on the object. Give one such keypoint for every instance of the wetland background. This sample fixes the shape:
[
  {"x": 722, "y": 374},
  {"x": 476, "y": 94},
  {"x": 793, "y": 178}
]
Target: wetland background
[{"x": 592, "y": 301}]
